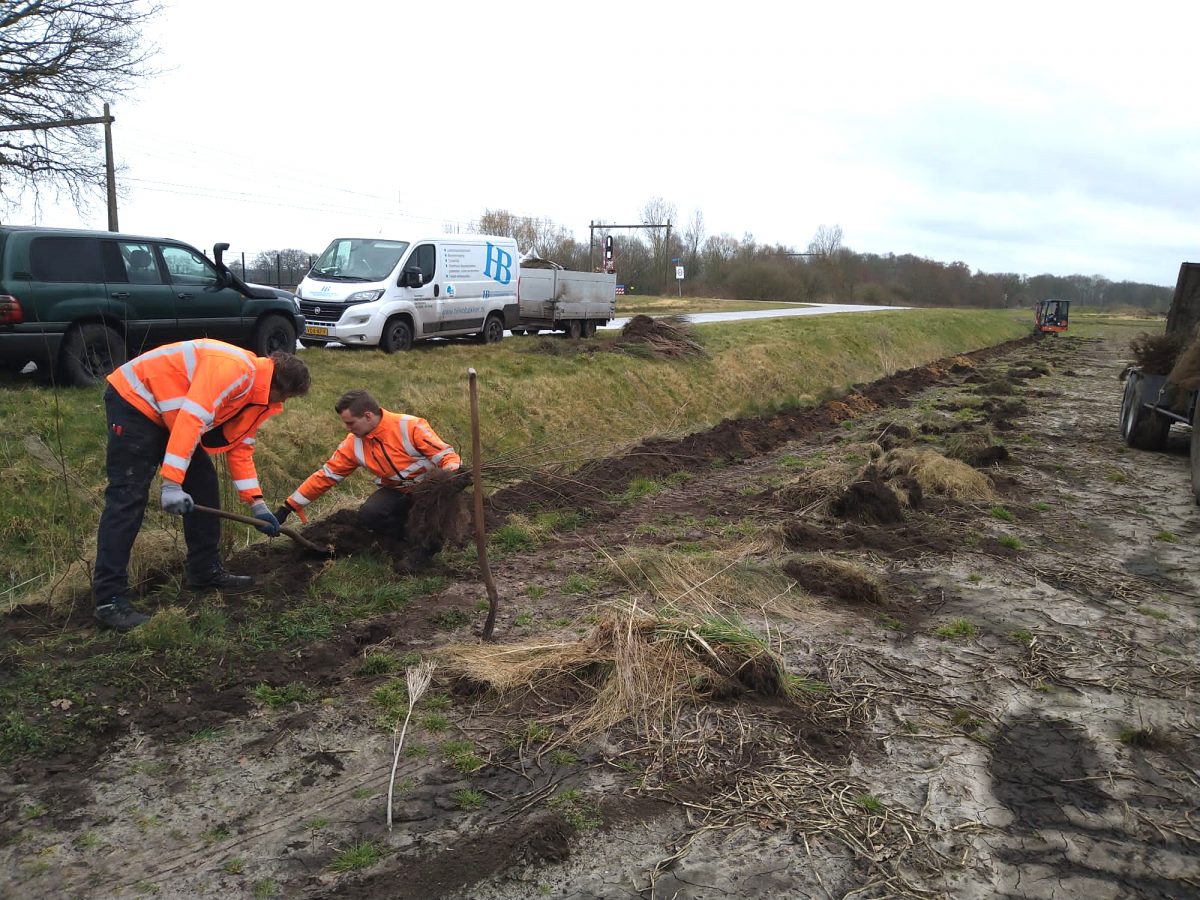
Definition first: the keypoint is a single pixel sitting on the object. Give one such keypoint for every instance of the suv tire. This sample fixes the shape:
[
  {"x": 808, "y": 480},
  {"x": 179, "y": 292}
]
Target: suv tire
[
  {"x": 90, "y": 352},
  {"x": 274, "y": 333}
]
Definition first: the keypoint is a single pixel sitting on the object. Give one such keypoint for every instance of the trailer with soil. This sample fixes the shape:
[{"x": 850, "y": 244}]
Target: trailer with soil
[
  {"x": 551, "y": 298},
  {"x": 1161, "y": 387}
]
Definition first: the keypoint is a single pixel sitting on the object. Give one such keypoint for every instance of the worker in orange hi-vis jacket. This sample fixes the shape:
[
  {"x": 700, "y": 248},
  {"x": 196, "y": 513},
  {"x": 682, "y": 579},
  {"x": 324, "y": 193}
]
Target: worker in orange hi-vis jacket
[
  {"x": 161, "y": 406},
  {"x": 399, "y": 450}
]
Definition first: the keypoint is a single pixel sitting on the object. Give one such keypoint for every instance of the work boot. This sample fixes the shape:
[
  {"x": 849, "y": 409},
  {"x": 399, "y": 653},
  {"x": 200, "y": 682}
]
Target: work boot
[
  {"x": 118, "y": 613},
  {"x": 220, "y": 580}
]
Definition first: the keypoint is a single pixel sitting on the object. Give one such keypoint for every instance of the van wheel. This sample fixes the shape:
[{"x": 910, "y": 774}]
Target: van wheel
[
  {"x": 574, "y": 329},
  {"x": 493, "y": 331},
  {"x": 589, "y": 328},
  {"x": 274, "y": 333},
  {"x": 397, "y": 336},
  {"x": 91, "y": 352}
]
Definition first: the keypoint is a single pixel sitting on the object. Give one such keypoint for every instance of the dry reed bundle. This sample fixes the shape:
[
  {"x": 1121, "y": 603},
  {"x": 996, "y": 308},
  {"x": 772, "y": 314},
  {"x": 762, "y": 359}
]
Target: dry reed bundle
[{"x": 670, "y": 336}]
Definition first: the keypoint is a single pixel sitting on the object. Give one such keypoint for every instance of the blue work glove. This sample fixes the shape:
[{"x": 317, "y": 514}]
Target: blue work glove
[
  {"x": 270, "y": 524},
  {"x": 175, "y": 499}
]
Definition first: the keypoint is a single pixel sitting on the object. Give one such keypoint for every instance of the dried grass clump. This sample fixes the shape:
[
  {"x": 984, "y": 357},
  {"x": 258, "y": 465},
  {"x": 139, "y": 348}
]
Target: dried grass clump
[
  {"x": 670, "y": 336},
  {"x": 155, "y": 552},
  {"x": 1186, "y": 371},
  {"x": 438, "y": 516},
  {"x": 633, "y": 668},
  {"x": 936, "y": 474},
  {"x": 834, "y": 578},
  {"x": 1156, "y": 353}
]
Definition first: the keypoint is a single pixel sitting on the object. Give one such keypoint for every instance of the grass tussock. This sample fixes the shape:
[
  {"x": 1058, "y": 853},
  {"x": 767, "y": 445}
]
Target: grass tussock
[
  {"x": 731, "y": 578},
  {"x": 633, "y": 669},
  {"x": 937, "y": 475}
]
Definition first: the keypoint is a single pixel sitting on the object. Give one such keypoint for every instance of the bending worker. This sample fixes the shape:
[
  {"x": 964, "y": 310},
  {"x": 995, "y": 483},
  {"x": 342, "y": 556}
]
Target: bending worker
[
  {"x": 161, "y": 406},
  {"x": 399, "y": 450}
]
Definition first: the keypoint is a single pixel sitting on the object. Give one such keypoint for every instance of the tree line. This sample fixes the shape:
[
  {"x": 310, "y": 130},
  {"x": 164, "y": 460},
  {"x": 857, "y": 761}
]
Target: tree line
[{"x": 742, "y": 269}]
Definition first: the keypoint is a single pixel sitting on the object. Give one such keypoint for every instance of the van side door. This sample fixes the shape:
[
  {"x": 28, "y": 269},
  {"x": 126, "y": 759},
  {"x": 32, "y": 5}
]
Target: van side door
[
  {"x": 426, "y": 298},
  {"x": 135, "y": 280},
  {"x": 204, "y": 307}
]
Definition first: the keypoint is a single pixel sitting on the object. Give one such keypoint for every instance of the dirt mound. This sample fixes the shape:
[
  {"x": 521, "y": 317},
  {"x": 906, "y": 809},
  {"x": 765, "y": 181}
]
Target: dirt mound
[
  {"x": 728, "y": 441},
  {"x": 834, "y": 578},
  {"x": 869, "y": 500}
]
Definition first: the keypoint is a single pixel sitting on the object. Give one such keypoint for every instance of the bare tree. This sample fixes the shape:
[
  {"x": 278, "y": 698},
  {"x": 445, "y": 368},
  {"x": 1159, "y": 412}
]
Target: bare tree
[
  {"x": 542, "y": 235},
  {"x": 58, "y": 60},
  {"x": 693, "y": 237},
  {"x": 826, "y": 242}
]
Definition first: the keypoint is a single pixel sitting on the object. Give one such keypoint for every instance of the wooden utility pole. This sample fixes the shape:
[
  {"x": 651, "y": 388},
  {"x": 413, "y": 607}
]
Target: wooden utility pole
[{"x": 109, "y": 171}]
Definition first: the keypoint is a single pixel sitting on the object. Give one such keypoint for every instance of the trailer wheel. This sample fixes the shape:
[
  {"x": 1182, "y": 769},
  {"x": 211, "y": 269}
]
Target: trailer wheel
[
  {"x": 1195, "y": 452},
  {"x": 574, "y": 329},
  {"x": 1144, "y": 429},
  {"x": 397, "y": 336},
  {"x": 589, "y": 328}
]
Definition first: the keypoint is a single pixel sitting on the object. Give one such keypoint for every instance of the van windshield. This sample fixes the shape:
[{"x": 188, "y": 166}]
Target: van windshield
[{"x": 358, "y": 259}]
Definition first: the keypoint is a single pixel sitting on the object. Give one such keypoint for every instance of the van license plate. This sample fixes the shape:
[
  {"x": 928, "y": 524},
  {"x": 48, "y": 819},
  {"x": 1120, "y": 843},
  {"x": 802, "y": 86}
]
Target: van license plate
[{"x": 316, "y": 329}]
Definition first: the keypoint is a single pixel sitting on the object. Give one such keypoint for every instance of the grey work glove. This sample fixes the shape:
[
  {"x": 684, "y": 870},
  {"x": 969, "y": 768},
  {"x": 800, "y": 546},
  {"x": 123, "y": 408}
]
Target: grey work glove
[
  {"x": 175, "y": 499},
  {"x": 270, "y": 525}
]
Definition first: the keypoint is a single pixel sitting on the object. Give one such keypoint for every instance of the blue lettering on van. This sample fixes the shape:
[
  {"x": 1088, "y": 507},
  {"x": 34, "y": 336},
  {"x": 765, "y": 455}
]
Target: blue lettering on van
[{"x": 499, "y": 264}]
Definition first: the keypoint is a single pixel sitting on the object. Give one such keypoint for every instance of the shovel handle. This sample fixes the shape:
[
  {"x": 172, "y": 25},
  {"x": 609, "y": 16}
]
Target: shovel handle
[{"x": 250, "y": 520}]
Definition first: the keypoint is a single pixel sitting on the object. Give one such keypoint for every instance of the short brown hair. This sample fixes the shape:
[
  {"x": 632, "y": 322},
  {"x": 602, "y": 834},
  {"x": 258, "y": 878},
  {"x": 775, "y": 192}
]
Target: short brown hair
[
  {"x": 358, "y": 401},
  {"x": 290, "y": 376}
]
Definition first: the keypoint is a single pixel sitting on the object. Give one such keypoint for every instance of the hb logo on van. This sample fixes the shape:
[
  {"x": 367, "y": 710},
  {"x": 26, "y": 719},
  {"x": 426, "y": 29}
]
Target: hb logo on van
[{"x": 498, "y": 265}]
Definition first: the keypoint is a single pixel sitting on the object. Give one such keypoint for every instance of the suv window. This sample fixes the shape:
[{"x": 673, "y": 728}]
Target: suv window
[
  {"x": 65, "y": 259},
  {"x": 187, "y": 267},
  {"x": 138, "y": 263}
]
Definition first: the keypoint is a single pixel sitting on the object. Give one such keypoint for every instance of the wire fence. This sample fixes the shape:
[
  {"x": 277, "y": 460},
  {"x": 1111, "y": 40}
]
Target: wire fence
[{"x": 282, "y": 270}]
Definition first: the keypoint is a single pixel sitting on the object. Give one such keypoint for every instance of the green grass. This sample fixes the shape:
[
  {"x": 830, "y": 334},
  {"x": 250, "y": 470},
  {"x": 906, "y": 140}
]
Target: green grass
[
  {"x": 1166, "y": 537},
  {"x": 275, "y": 697},
  {"x": 579, "y": 812},
  {"x": 1002, "y": 514},
  {"x": 468, "y": 798},
  {"x": 377, "y": 663},
  {"x": 358, "y": 855},
  {"x": 958, "y": 628},
  {"x": 870, "y": 803}
]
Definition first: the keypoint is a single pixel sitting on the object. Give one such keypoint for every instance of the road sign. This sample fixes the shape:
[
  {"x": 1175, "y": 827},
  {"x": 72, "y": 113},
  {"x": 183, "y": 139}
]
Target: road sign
[{"x": 679, "y": 273}]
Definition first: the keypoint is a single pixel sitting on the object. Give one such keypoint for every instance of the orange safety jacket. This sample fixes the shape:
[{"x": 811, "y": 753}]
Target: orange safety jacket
[
  {"x": 400, "y": 451},
  {"x": 204, "y": 392}
]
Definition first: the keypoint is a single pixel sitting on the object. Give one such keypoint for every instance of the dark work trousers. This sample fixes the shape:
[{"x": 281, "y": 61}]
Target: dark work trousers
[
  {"x": 386, "y": 511},
  {"x": 135, "y": 451}
]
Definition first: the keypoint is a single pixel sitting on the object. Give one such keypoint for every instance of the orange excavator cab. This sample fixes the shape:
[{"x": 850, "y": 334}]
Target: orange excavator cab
[{"x": 1052, "y": 315}]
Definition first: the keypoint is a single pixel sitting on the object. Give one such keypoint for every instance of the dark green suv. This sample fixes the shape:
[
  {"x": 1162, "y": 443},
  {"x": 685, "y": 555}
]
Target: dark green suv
[{"x": 80, "y": 303}]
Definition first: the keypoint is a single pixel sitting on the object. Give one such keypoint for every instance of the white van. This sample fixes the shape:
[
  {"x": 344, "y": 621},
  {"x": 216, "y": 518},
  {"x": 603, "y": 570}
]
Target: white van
[{"x": 373, "y": 291}]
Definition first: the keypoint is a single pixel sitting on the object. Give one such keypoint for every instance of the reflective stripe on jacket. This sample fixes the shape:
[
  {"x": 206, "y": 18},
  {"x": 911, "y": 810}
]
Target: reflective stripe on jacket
[
  {"x": 204, "y": 392},
  {"x": 400, "y": 451}
]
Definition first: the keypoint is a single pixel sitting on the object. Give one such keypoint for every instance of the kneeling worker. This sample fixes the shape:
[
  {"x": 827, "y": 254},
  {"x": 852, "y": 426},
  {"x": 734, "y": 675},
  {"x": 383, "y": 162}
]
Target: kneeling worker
[
  {"x": 400, "y": 450},
  {"x": 162, "y": 406}
]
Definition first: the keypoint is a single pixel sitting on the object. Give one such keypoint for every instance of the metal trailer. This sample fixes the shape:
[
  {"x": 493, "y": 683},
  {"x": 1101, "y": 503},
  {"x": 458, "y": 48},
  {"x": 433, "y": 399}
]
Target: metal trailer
[
  {"x": 1151, "y": 404},
  {"x": 555, "y": 299}
]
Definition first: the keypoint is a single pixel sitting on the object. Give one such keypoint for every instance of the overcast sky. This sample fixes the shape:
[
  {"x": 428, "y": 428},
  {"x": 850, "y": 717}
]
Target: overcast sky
[{"x": 1017, "y": 137}]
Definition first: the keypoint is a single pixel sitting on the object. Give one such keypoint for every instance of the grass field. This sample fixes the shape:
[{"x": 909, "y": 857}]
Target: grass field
[{"x": 542, "y": 400}]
